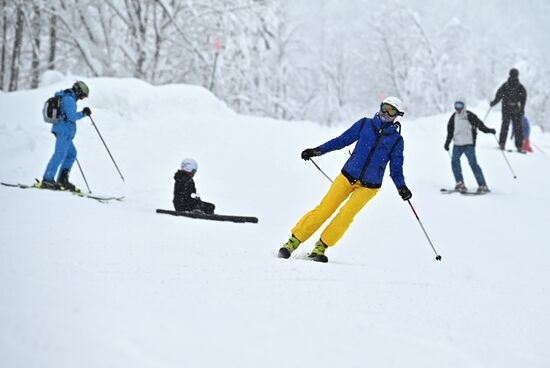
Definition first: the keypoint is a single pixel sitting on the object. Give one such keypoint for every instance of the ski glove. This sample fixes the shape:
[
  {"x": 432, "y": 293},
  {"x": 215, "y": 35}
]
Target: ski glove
[
  {"x": 405, "y": 193},
  {"x": 86, "y": 111},
  {"x": 493, "y": 131},
  {"x": 446, "y": 147},
  {"x": 310, "y": 152},
  {"x": 492, "y": 103}
]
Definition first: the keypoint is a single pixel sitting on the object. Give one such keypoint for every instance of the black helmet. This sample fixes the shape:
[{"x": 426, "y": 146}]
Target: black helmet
[{"x": 514, "y": 73}]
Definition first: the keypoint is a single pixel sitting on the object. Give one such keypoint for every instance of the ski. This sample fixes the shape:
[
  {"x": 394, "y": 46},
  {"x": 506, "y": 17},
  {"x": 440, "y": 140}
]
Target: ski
[
  {"x": 450, "y": 191},
  {"x": 207, "y": 216},
  {"x": 103, "y": 199}
]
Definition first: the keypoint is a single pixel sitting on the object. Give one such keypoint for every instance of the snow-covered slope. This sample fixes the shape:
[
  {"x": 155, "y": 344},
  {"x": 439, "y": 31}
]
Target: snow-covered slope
[{"x": 85, "y": 284}]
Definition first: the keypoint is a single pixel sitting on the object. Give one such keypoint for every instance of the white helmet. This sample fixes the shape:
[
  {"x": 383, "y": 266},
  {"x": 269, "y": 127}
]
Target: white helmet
[
  {"x": 189, "y": 165},
  {"x": 395, "y": 102}
]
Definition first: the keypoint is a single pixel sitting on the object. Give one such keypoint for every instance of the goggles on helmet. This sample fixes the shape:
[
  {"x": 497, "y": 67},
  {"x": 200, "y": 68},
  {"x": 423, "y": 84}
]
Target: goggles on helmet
[
  {"x": 459, "y": 105},
  {"x": 390, "y": 110}
]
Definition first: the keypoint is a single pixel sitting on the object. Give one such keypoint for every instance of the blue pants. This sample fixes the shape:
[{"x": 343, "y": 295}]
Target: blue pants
[
  {"x": 64, "y": 155},
  {"x": 470, "y": 152}
]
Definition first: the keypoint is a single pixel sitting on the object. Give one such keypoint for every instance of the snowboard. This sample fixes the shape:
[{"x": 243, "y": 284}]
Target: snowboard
[
  {"x": 98, "y": 198},
  {"x": 207, "y": 216},
  {"x": 450, "y": 191}
]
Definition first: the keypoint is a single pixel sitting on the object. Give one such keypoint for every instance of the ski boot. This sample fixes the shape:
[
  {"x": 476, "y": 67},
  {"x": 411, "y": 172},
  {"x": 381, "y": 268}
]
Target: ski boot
[
  {"x": 64, "y": 183},
  {"x": 460, "y": 187},
  {"x": 318, "y": 253},
  {"x": 47, "y": 184},
  {"x": 482, "y": 189},
  {"x": 290, "y": 246}
]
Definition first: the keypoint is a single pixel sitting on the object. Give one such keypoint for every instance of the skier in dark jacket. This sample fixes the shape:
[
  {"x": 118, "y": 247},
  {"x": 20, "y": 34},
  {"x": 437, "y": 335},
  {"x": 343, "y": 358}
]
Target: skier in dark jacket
[
  {"x": 462, "y": 130},
  {"x": 513, "y": 96},
  {"x": 185, "y": 193},
  {"x": 378, "y": 142},
  {"x": 64, "y": 131}
]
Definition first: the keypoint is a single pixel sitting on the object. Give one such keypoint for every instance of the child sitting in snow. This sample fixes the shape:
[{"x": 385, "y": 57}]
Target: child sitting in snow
[{"x": 185, "y": 193}]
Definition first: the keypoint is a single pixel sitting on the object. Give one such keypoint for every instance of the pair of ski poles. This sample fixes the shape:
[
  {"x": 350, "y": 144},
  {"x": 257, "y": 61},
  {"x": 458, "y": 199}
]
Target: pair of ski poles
[
  {"x": 437, "y": 256},
  {"x": 108, "y": 151}
]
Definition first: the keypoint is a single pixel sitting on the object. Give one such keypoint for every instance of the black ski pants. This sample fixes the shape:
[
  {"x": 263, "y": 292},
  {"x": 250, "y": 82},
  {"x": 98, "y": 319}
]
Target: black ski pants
[{"x": 515, "y": 116}]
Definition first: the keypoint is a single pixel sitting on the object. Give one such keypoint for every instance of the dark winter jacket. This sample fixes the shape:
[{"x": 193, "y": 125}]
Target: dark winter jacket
[
  {"x": 185, "y": 192},
  {"x": 377, "y": 144},
  {"x": 513, "y": 96},
  {"x": 475, "y": 122}
]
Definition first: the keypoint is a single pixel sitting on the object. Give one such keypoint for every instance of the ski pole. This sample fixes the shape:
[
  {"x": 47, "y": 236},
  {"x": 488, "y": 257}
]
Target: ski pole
[
  {"x": 317, "y": 166},
  {"x": 107, "y": 148},
  {"x": 437, "y": 256},
  {"x": 506, "y": 159},
  {"x": 540, "y": 149},
  {"x": 83, "y": 176},
  {"x": 490, "y": 107}
]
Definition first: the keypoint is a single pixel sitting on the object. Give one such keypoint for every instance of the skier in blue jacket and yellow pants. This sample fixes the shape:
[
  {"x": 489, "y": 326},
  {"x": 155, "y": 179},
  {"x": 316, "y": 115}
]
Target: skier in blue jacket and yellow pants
[
  {"x": 378, "y": 142},
  {"x": 64, "y": 131}
]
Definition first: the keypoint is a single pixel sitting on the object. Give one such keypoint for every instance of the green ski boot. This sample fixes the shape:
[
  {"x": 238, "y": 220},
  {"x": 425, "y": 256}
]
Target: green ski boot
[
  {"x": 318, "y": 253},
  {"x": 290, "y": 246}
]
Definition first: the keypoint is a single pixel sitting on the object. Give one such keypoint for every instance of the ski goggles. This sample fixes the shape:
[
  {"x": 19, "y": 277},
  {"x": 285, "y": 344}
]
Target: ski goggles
[
  {"x": 390, "y": 110},
  {"x": 459, "y": 105}
]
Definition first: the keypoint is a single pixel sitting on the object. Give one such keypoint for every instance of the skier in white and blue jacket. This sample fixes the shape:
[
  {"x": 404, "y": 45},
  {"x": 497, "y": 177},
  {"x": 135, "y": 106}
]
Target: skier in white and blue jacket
[
  {"x": 379, "y": 142},
  {"x": 64, "y": 131}
]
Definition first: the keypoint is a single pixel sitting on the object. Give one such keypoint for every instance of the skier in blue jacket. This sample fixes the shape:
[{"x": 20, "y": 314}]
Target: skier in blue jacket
[
  {"x": 64, "y": 131},
  {"x": 379, "y": 142}
]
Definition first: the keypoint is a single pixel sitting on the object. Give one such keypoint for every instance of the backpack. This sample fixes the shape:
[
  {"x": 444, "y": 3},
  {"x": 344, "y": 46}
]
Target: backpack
[{"x": 51, "y": 111}]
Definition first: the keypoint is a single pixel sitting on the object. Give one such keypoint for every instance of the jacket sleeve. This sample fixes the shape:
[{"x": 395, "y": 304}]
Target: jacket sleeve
[
  {"x": 347, "y": 138},
  {"x": 396, "y": 164},
  {"x": 450, "y": 130},
  {"x": 523, "y": 97},
  {"x": 473, "y": 119},
  {"x": 68, "y": 106},
  {"x": 499, "y": 95}
]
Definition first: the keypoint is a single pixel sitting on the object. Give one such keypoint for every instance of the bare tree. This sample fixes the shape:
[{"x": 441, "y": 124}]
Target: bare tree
[
  {"x": 17, "y": 46},
  {"x": 3, "y": 4},
  {"x": 35, "y": 32}
]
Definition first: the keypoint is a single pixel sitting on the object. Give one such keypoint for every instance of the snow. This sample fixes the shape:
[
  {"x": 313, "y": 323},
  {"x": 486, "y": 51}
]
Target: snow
[{"x": 85, "y": 284}]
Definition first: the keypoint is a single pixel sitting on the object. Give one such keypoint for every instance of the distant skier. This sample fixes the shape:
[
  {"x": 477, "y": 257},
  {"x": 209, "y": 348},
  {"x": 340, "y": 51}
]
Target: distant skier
[
  {"x": 185, "y": 193},
  {"x": 526, "y": 131},
  {"x": 513, "y": 96},
  {"x": 64, "y": 131},
  {"x": 378, "y": 142},
  {"x": 462, "y": 130}
]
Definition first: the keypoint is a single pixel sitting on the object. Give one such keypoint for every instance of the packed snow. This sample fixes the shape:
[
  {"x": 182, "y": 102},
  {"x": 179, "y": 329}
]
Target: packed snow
[{"x": 87, "y": 284}]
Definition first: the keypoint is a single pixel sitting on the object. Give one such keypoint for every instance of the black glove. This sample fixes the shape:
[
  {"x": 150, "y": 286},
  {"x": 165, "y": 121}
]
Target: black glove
[
  {"x": 492, "y": 103},
  {"x": 310, "y": 152},
  {"x": 86, "y": 111},
  {"x": 446, "y": 147},
  {"x": 493, "y": 131},
  {"x": 405, "y": 193}
]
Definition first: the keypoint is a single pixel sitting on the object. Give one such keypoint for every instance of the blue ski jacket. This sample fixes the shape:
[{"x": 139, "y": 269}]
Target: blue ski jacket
[
  {"x": 377, "y": 144},
  {"x": 69, "y": 115}
]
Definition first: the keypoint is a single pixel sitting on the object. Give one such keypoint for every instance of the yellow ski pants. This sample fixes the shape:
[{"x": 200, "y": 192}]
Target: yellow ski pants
[{"x": 338, "y": 192}]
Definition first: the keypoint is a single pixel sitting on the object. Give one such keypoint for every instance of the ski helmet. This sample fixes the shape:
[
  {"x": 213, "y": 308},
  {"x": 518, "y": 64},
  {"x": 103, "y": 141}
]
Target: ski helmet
[
  {"x": 460, "y": 104},
  {"x": 514, "y": 73},
  {"x": 396, "y": 103},
  {"x": 189, "y": 165},
  {"x": 81, "y": 89}
]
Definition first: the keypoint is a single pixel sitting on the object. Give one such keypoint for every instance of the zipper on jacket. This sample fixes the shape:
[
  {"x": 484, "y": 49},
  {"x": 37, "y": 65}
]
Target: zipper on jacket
[{"x": 369, "y": 157}]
